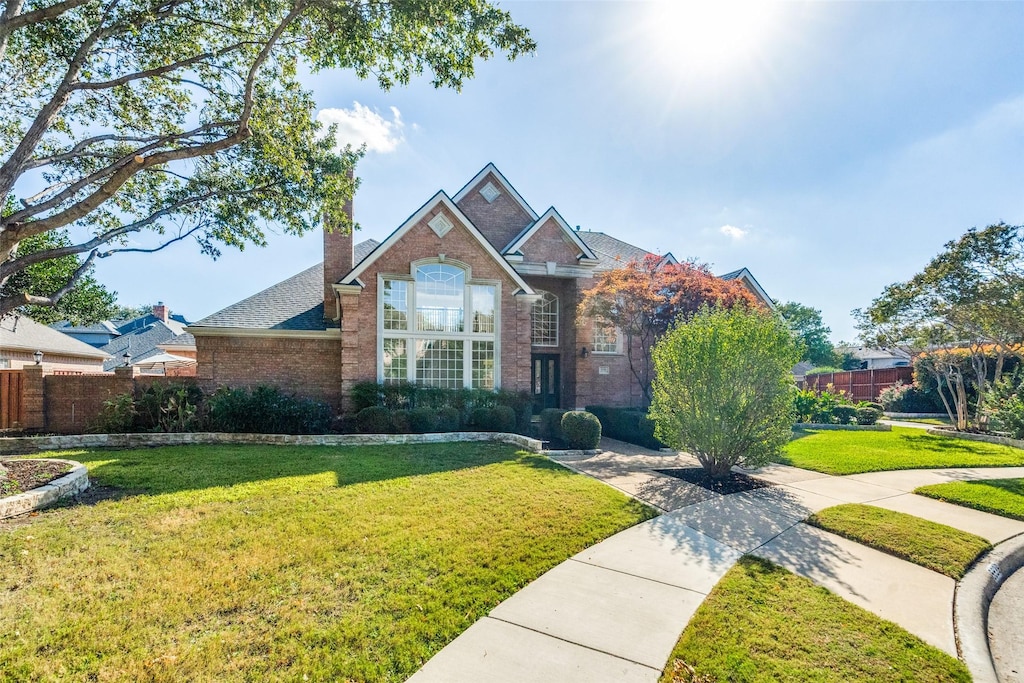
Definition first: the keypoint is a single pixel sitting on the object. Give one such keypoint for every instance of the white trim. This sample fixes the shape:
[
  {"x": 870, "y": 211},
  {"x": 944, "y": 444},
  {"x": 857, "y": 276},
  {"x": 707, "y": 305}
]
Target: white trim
[
  {"x": 491, "y": 168},
  {"x": 270, "y": 334},
  {"x": 489, "y": 192},
  {"x": 446, "y": 201},
  {"x": 552, "y": 213},
  {"x": 558, "y": 320},
  {"x": 576, "y": 272},
  {"x": 748, "y": 277},
  {"x": 349, "y": 289}
]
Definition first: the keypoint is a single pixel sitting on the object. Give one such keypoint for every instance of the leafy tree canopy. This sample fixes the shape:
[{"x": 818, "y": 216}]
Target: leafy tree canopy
[
  {"x": 139, "y": 123},
  {"x": 643, "y": 298},
  {"x": 807, "y": 325}
]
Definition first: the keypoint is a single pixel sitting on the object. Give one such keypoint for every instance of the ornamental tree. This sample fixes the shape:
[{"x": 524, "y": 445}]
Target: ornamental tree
[
  {"x": 964, "y": 313},
  {"x": 807, "y": 325},
  {"x": 135, "y": 124},
  {"x": 723, "y": 389},
  {"x": 644, "y": 298}
]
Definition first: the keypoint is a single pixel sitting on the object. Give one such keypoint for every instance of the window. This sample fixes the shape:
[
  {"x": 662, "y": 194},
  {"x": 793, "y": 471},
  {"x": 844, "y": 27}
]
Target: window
[
  {"x": 607, "y": 337},
  {"x": 544, "y": 321},
  {"x": 450, "y": 340}
]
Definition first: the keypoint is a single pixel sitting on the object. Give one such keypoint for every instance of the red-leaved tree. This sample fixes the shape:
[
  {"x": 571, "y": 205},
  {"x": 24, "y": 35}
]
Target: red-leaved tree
[{"x": 642, "y": 298}]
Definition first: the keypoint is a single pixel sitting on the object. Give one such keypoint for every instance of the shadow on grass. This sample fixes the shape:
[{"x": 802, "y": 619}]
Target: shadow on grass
[{"x": 183, "y": 468}]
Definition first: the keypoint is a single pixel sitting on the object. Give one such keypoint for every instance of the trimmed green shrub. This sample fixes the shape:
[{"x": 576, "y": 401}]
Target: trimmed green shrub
[
  {"x": 844, "y": 415},
  {"x": 374, "y": 420},
  {"x": 448, "y": 419},
  {"x": 627, "y": 424},
  {"x": 581, "y": 429},
  {"x": 503, "y": 418},
  {"x": 871, "y": 404},
  {"x": 266, "y": 410},
  {"x": 551, "y": 424},
  {"x": 481, "y": 418},
  {"x": 117, "y": 417},
  {"x": 422, "y": 420},
  {"x": 406, "y": 396},
  {"x": 868, "y": 415},
  {"x": 401, "y": 423}
]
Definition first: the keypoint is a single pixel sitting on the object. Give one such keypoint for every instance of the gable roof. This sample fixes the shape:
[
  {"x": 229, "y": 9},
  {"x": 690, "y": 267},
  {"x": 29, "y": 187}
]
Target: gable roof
[
  {"x": 614, "y": 253},
  {"x": 491, "y": 168},
  {"x": 293, "y": 304},
  {"x": 24, "y": 334},
  {"x": 530, "y": 230},
  {"x": 748, "y": 277},
  {"x": 144, "y": 342},
  {"x": 440, "y": 198}
]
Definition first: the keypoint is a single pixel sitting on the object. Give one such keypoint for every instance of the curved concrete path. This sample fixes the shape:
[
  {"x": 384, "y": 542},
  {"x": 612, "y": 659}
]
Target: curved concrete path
[
  {"x": 1006, "y": 629},
  {"x": 615, "y": 611}
]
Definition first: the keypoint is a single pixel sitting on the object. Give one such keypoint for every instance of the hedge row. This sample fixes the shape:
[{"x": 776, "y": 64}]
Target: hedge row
[
  {"x": 423, "y": 420},
  {"x": 627, "y": 424},
  {"x": 470, "y": 405}
]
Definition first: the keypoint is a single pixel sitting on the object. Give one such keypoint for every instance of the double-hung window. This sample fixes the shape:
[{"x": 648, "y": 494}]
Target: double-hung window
[
  {"x": 607, "y": 337},
  {"x": 438, "y": 327}
]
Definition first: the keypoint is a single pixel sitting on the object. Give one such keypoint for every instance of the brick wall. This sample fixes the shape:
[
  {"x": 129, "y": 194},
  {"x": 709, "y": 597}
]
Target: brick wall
[
  {"x": 550, "y": 243},
  {"x": 73, "y": 402},
  {"x": 499, "y": 221}
]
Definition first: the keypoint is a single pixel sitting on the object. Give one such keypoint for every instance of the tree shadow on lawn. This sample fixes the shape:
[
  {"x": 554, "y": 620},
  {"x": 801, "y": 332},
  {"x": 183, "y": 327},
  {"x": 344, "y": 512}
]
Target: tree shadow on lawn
[{"x": 156, "y": 471}]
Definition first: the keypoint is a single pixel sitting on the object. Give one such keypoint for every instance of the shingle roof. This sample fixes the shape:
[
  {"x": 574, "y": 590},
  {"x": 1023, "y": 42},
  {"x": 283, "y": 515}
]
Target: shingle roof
[
  {"x": 143, "y": 342},
  {"x": 25, "y": 334},
  {"x": 102, "y": 327},
  {"x": 295, "y": 304},
  {"x": 611, "y": 253}
]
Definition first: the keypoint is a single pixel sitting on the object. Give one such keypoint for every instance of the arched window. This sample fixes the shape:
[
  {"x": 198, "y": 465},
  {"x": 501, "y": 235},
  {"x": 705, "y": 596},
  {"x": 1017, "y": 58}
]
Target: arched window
[
  {"x": 544, "y": 320},
  {"x": 451, "y": 340}
]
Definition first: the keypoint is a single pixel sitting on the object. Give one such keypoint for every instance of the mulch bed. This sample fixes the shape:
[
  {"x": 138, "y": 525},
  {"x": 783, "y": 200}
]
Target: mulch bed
[
  {"x": 734, "y": 483},
  {"x": 25, "y": 475}
]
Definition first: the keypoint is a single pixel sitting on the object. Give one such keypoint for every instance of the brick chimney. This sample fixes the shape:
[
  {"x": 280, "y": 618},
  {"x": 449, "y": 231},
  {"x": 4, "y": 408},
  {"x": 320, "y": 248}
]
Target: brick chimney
[
  {"x": 160, "y": 311},
  {"x": 339, "y": 255}
]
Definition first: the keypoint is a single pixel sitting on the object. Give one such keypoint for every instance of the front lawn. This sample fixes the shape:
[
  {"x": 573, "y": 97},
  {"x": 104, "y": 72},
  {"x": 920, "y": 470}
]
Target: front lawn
[
  {"x": 280, "y": 563},
  {"x": 936, "y": 546},
  {"x": 999, "y": 496},
  {"x": 763, "y": 623},
  {"x": 851, "y": 452}
]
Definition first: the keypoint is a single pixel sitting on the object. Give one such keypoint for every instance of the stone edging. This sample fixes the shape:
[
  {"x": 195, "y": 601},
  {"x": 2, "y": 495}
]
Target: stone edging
[
  {"x": 72, "y": 483},
  {"x": 30, "y": 444},
  {"x": 903, "y": 416},
  {"x": 849, "y": 428},
  {"x": 572, "y": 453},
  {"x": 987, "y": 438},
  {"x": 973, "y": 596}
]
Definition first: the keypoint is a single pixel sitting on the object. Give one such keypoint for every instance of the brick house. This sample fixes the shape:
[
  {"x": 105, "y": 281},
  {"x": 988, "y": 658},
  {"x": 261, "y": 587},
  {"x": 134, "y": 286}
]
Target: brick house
[{"x": 472, "y": 290}]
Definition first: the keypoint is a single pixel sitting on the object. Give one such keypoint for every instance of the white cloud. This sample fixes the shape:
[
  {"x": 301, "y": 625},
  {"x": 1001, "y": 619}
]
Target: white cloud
[
  {"x": 362, "y": 125},
  {"x": 732, "y": 232}
]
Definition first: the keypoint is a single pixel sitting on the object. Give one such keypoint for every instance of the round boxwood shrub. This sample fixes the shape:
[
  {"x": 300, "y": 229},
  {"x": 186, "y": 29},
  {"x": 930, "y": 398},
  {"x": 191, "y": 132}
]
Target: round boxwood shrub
[
  {"x": 581, "y": 429},
  {"x": 844, "y": 414},
  {"x": 423, "y": 420},
  {"x": 872, "y": 404},
  {"x": 868, "y": 415},
  {"x": 401, "y": 422},
  {"x": 374, "y": 420},
  {"x": 503, "y": 418},
  {"x": 480, "y": 419},
  {"x": 448, "y": 419}
]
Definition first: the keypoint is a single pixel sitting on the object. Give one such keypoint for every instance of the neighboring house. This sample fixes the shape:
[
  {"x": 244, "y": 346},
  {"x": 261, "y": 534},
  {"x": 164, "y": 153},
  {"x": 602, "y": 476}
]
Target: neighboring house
[
  {"x": 748, "y": 280},
  {"x": 21, "y": 338},
  {"x": 801, "y": 369},
  {"x": 148, "y": 336},
  {"x": 876, "y": 359},
  {"x": 472, "y": 290},
  {"x": 96, "y": 335}
]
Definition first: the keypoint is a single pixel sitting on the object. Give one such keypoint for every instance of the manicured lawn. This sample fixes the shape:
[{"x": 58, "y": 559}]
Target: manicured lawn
[
  {"x": 762, "y": 623},
  {"x": 278, "y": 563},
  {"x": 938, "y": 547},
  {"x": 841, "y": 452},
  {"x": 999, "y": 496}
]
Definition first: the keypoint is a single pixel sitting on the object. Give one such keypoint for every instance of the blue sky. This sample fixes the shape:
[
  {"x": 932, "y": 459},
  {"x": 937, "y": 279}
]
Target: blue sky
[{"x": 832, "y": 148}]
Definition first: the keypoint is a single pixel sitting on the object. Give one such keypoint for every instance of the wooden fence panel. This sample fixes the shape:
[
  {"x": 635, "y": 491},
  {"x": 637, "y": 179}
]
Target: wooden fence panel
[
  {"x": 12, "y": 405},
  {"x": 860, "y": 385}
]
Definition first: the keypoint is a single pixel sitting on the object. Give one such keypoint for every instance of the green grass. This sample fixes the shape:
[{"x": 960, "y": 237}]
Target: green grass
[
  {"x": 999, "y": 496},
  {"x": 938, "y": 547},
  {"x": 277, "y": 563},
  {"x": 842, "y": 452},
  {"x": 762, "y": 623}
]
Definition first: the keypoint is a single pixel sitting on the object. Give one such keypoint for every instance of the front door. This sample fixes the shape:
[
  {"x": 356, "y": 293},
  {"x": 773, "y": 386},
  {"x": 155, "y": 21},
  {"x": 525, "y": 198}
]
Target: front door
[{"x": 546, "y": 381}]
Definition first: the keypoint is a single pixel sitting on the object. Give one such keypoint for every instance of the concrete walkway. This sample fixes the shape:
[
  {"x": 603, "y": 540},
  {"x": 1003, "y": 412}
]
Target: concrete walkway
[
  {"x": 615, "y": 611},
  {"x": 1006, "y": 629}
]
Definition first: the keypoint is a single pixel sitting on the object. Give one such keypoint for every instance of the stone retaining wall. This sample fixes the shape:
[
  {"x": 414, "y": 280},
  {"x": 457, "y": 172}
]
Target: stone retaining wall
[
  {"x": 850, "y": 428},
  {"x": 33, "y": 444},
  {"x": 72, "y": 483},
  {"x": 987, "y": 438}
]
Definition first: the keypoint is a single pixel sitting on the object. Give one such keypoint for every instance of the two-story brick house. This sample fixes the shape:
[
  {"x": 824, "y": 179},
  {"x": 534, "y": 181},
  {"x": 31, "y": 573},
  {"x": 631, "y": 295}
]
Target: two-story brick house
[{"x": 472, "y": 290}]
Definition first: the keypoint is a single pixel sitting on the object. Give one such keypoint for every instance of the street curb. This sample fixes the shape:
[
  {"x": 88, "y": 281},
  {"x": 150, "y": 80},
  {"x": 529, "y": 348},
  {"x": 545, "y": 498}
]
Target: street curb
[
  {"x": 72, "y": 483},
  {"x": 971, "y": 601}
]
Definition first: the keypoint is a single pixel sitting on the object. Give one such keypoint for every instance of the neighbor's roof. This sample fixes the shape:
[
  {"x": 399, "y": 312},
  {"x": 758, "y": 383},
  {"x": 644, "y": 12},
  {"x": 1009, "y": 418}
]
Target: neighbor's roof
[
  {"x": 25, "y": 334},
  {"x": 144, "y": 342},
  {"x": 102, "y": 327},
  {"x": 868, "y": 353}
]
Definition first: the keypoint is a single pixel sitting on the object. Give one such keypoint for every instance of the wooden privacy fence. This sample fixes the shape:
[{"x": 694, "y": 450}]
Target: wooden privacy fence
[
  {"x": 860, "y": 385},
  {"x": 12, "y": 406}
]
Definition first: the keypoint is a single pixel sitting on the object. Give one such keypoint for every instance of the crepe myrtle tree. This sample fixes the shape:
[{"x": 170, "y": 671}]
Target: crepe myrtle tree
[
  {"x": 723, "y": 388},
  {"x": 134, "y": 124}
]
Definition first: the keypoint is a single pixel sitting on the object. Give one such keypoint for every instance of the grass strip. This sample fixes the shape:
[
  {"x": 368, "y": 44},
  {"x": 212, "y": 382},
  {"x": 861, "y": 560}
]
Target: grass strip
[
  {"x": 999, "y": 496},
  {"x": 936, "y": 546},
  {"x": 763, "y": 623}
]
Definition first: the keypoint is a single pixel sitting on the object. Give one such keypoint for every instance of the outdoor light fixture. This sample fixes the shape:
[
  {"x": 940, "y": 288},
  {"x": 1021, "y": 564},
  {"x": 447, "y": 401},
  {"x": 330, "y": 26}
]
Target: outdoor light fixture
[
  {"x": 127, "y": 359},
  {"x": 584, "y": 352},
  {"x": 38, "y": 355}
]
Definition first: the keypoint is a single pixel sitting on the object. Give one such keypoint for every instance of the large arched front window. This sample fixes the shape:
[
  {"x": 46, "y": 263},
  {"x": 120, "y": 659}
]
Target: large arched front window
[
  {"x": 544, "y": 320},
  {"x": 451, "y": 337}
]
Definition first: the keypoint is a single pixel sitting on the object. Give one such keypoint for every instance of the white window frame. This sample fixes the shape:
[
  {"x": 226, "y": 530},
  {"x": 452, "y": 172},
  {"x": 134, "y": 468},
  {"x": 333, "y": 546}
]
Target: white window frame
[
  {"x": 618, "y": 340},
  {"x": 467, "y": 336},
  {"x": 557, "y": 314}
]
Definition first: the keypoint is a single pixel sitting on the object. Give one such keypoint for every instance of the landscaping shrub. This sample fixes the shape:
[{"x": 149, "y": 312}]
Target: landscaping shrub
[
  {"x": 117, "y": 416},
  {"x": 805, "y": 403},
  {"x": 907, "y": 398},
  {"x": 406, "y": 396},
  {"x": 844, "y": 415},
  {"x": 422, "y": 420},
  {"x": 172, "y": 407},
  {"x": 551, "y": 424},
  {"x": 503, "y": 418},
  {"x": 448, "y": 419},
  {"x": 1004, "y": 405},
  {"x": 871, "y": 404},
  {"x": 581, "y": 429},
  {"x": 401, "y": 423},
  {"x": 481, "y": 419},
  {"x": 627, "y": 424},
  {"x": 266, "y": 410},
  {"x": 868, "y": 415},
  {"x": 374, "y": 420}
]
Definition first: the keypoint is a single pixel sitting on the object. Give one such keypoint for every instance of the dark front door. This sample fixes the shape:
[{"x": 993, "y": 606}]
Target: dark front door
[{"x": 545, "y": 379}]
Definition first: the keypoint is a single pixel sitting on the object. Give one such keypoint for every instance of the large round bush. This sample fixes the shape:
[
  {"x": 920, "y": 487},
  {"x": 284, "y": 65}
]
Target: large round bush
[{"x": 581, "y": 429}]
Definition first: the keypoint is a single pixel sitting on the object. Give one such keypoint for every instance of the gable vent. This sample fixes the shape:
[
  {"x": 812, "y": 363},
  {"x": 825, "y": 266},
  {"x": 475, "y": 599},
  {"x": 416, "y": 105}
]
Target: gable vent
[
  {"x": 490, "y": 192},
  {"x": 440, "y": 224}
]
